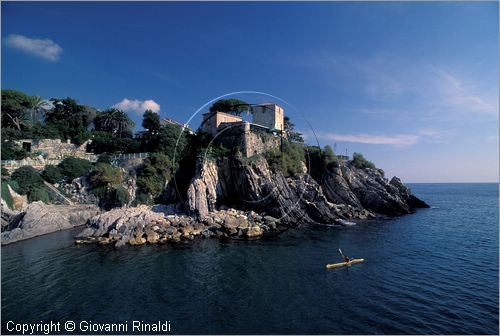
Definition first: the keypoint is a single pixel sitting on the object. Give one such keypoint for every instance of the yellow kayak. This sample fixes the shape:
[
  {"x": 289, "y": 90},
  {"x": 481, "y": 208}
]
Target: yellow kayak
[{"x": 352, "y": 262}]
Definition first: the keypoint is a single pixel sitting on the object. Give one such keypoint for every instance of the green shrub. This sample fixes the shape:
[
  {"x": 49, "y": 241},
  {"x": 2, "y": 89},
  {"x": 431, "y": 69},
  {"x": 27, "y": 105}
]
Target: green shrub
[
  {"x": 72, "y": 167},
  {"x": 318, "y": 161},
  {"x": 6, "y": 196},
  {"x": 120, "y": 196},
  {"x": 105, "y": 184},
  {"x": 289, "y": 160},
  {"x": 154, "y": 174},
  {"x": 104, "y": 158},
  {"x": 14, "y": 185},
  {"x": 11, "y": 151},
  {"x": 27, "y": 178},
  {"x": 141, "y": 198},
  {"x": 104, "y": 175},
  {"x": 112, "y": 197},
  {"x": 39, "y": 194},
  {"x": 52, "y": 174},
  {"x": 5, "y": 173},
  {"x": 359, "y": 161}
]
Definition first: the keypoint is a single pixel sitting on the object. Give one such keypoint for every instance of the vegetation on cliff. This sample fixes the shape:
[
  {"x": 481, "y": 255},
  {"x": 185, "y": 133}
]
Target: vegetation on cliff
[{"x": 232, "y": 105}]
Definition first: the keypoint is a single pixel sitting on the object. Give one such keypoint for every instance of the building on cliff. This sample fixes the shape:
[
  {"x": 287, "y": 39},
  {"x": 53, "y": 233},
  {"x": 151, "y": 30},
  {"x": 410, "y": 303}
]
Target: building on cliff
[
  {"x": 268, "y": 115},
  {"x": 264, "y": 133}
]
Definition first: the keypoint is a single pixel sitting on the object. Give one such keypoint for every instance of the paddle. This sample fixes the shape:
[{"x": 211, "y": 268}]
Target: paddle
[{"x": 346, "y": 259}]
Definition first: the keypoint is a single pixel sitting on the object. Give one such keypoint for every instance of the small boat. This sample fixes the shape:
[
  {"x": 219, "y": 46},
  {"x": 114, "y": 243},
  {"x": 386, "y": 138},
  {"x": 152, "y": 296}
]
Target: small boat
[{"x": 337, "y": 265}]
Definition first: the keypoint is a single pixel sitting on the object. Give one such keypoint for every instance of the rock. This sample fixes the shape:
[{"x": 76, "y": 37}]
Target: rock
[
  {"x": 270, "y": 220},
  {"x": 231, "y": 221},
  {"x": 153, "y": 237},
  {"x": 242, "y": 223},
  {"x": 123, "y": 241},
  {"x": 202, "y": 192},
  {"x": 214, "y": 227},
  {"x": 368, "y": 189},
  {"x": 176, "y": 236},
  {"x": 232, "y": 231},
  {"x": 137, "y": 241},
  {"x": 41, "y": 218},
  {"x": 255, "y": 231}
]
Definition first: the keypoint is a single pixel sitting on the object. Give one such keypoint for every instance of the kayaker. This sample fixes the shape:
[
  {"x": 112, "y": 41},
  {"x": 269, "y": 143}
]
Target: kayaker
[{"x": 346, "y": 258}]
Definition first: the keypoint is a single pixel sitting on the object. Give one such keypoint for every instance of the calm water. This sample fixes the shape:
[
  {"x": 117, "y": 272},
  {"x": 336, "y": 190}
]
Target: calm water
[{"x": 434, "y": 272}]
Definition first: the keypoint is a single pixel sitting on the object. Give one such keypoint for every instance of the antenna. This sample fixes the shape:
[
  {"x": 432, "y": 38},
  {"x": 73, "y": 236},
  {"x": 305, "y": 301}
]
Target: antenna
[{"x": 334, "y": 147}]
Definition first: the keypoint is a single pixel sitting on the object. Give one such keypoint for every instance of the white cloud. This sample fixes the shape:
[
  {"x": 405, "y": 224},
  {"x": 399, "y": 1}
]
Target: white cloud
[
  {"x": 397, "y": 140},
  {"x": 138, "y": 106},
  {"x": 44, "y": 48},
  {"x": 458, "y": 96}
]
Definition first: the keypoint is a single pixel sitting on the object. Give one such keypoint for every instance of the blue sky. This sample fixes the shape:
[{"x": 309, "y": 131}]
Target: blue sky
[{"x": 412, "y": 86}]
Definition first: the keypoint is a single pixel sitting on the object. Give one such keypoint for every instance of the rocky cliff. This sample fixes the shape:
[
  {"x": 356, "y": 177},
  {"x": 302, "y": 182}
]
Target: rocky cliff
[
  {"x": 344, "y": 192},
  {"x": 369, "y": 189}
]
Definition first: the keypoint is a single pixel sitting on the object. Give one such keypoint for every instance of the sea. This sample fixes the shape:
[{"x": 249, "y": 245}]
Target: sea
[{"x": 432, "y": 272}]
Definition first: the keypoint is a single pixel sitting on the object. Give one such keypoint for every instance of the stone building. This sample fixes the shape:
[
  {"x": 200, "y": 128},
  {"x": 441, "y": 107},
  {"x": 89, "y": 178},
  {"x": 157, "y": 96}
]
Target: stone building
[
  {"x": 213, "y": 120},
  {"x": 268, "y": 115}
]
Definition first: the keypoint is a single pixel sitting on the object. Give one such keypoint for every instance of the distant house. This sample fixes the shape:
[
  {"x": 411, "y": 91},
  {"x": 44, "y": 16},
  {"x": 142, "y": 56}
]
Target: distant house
[
  {"x": 168, "y": 121},
  {"x": 267, "y": 115}
]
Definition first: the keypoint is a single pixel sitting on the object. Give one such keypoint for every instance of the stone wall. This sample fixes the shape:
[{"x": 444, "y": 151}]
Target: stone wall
[
  {"x": 250, "y": 139},
  {"x": 258, "y": 141},
  {"x": 55, "y": 149},
  {"x": 46, "y": 152}
]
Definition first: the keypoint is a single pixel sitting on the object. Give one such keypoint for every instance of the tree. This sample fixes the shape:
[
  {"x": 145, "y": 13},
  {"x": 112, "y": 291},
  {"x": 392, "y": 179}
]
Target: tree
[
  {"x": 151, "y": 122},
  {"x": 69, "y": 118},
  {"x": 289, "y": 129},
  {"x": 103, "y": 142},
  {"x": 37, "y": 105},
  {"x": 154, "y": 175},
  {"x": 15, "y": 109},
  {"x": 170, "y": 139},
  {"x": 105, "y": 182},
  {"x": 233, "y": 106},
  {"x": 114, "y": 122}
]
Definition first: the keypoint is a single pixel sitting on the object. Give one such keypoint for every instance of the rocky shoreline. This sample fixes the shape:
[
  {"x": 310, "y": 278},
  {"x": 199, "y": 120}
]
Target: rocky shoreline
[
  {"x": 263, "y": 203},
  {"x": 152, "y": 225},
  {"x": 40, "y": 219}
]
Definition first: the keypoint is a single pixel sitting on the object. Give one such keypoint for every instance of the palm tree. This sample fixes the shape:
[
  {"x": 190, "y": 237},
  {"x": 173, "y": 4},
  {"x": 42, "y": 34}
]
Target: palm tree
[
  {"x": 36, "y": 105},
  {"x": 114, "y": 121}
]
